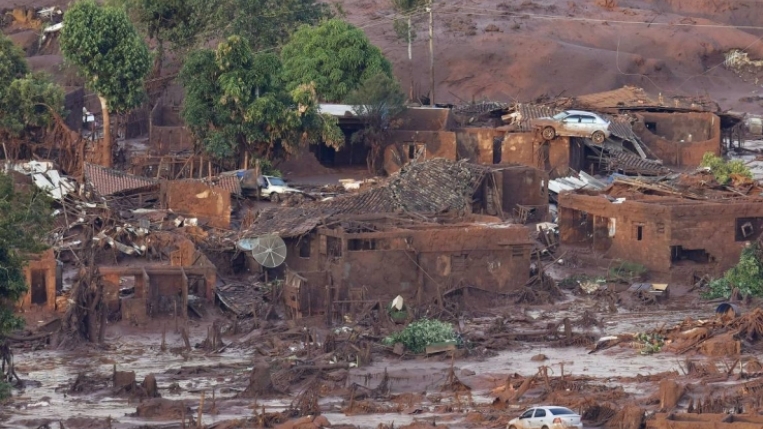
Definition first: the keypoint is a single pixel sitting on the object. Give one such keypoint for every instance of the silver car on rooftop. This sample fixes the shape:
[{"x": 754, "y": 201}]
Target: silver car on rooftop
[{"x": 573, "y": 123}]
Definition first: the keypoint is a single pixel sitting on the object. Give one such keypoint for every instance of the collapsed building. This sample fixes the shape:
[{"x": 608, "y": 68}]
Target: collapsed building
[
  {"x": 435, "y": 227},
  {"x": 678, "y": 228},
  {"x": 648, "y": 134}
]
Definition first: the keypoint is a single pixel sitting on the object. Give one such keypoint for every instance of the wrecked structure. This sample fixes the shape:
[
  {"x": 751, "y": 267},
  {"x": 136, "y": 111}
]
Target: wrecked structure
[
  {"x": 434, "y": 222},
  {"x": 647, "y": 132},
  {"x": 676, "y": 229},
  {"x": 348, "y": 262}
]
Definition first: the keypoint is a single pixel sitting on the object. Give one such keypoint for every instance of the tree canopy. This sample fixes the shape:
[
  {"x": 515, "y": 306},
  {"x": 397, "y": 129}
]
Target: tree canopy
[
  {"x": 267, "y": 24},
  {"x": 13, "y": 65},
  {"x": 334, "y": 56},
  {"x": 176, "y": 22},
  {"x": 110, "y": 54},
  {"x": 26, "y": 99},
  {"x": 236, "y": 104}
]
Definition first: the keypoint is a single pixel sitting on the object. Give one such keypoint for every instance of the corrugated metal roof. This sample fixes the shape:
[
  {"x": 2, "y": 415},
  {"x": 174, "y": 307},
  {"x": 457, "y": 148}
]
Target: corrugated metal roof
[
  {"x": 106, "y": 181},
  {"x": 337, "y": 109},
  {"x": 572, "y": 183}
]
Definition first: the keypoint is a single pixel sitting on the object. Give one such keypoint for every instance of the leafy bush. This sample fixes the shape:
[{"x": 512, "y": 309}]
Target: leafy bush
[
  {"x": 747, "y": 276},
  {"x": 722, "y": 170},
  {"x": 418, "y": 335},
  {"x": 5, "y": 391},
  {"x": 627, "y": 272},
  {"x": 266, "y": 166}
]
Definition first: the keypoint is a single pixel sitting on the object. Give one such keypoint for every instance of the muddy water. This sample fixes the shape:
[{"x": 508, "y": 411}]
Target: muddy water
[{"x": 141, "y": 353}]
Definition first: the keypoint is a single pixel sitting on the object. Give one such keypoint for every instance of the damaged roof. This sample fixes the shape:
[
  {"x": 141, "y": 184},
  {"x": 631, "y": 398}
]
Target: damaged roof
[
  {"x": 634, "y": 98},
  {"x": 432, "y": 186},
  {"x": 106, "y": 181}
]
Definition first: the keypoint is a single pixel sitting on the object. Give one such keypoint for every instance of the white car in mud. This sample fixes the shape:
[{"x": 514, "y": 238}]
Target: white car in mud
[
  {"x": 275, "y": 188},
  {"x": 547, "y": 418}
]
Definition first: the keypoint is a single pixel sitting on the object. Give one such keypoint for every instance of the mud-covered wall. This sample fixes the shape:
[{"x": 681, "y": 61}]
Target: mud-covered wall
[
  {"x": 680, "y": 139},
  {"x": 44, "y": 267},
  {"x": 423, "y": 264},
  {"x": 522, "y": 185},
  {"x": 401, "y": 144},
  {"x": 477, "y": 144},
  {"x": 168, "y": 134},
  {"x": 194, "y": 199},
  {"x": 529, "y": 149},
  {"x": 633, "y": 231},
  {"x": 668, "y": 236},
  {"x": 717, "y": 230}
]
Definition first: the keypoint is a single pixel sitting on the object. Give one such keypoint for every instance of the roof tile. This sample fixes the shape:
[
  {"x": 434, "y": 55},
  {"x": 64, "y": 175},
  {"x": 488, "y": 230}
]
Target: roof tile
[{"x": 106, "y": 181}]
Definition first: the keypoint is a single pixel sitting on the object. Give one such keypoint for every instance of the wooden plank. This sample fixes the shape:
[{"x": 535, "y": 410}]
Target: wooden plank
[{"x": 440, "y": 347}]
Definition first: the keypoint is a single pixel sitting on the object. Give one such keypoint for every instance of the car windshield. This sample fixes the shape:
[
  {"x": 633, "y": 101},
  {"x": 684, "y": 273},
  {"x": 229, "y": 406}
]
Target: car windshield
[
  {"x": 560, "y": 411},
  {"x": 560, "y": 116},
  {"x": 276, "y": 181}
]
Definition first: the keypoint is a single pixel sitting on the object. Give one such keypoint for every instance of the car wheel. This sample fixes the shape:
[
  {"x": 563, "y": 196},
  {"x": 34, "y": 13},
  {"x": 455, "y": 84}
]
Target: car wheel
[
  {"x": 274, "y": 197},
  {"x": 598, "y": 137},
  {"x": 548, "y": 133}
]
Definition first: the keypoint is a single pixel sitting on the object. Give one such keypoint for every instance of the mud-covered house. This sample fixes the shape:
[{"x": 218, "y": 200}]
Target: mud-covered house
[
  {"x": 679, "y": 235},
  {"x": 434, "y": 227}
]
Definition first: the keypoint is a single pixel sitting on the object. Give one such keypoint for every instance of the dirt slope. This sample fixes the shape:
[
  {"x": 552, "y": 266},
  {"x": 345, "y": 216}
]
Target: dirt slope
[{"x": 507, "y": 50}]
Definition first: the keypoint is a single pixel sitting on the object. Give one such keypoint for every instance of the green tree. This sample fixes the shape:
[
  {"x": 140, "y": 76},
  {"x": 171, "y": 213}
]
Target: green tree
[
  {"x": 112, "y": 57},
  {"x": 267, "y": 24},
  {"x": 236, "y": 105},
  {"x": 377, "y": 102},
  {"x": 27, "y": 105},
  {"x": 335, "y": 56},
  {"x": 26, "y": 99},
  {"x": 177, "y": 23},
  {"x": 13, "y": 65},
  {"x": 24, "y": 218}
]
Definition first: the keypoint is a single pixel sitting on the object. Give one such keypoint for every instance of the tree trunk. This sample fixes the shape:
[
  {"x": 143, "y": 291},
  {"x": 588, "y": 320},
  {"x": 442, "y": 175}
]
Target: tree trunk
[{"x": 105, "y": 155}]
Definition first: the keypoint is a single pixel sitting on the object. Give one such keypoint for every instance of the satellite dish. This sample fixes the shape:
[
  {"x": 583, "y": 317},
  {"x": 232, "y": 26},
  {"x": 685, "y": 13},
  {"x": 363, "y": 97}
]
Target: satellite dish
[
  {"x": 247, "y": 244},
  {"x": 269, "y": 251}
]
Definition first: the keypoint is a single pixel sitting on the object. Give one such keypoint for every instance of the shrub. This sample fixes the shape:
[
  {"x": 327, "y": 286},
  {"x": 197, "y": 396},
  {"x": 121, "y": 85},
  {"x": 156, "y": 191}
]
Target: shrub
[
  {"x": 5, "y": 391},
  {"x": 418, "y": 335},
  {"x": 747, "y": 276},
  {"x": 722, "y": 170}
]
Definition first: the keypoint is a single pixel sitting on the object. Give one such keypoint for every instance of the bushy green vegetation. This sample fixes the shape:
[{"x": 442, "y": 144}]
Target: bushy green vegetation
[
  {"x": 722, "y": 169},
  {"x": 27, "y": 100},
  {"x": 238, "y": 106},
  {"x": 418, "y": 335},
  {"x": 627, "y": 272},
  {"x": 5, "y": 391},
  {"x": 747, "y": 276}
]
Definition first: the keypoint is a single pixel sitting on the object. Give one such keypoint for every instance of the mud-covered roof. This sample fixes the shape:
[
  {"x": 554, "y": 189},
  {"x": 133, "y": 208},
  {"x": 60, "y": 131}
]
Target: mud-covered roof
[
  {"x": 635, "y": 98},
  {"x": 106, "y": 181},
  {"x": 432, "y": 186}
]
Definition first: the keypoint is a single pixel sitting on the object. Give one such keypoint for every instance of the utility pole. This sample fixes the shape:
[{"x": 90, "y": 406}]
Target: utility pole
[{"x": 431, "y": 54}]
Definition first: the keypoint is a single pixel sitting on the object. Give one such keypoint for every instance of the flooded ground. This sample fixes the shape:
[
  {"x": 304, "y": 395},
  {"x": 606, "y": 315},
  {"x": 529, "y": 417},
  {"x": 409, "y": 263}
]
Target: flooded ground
[{"x": 184, "y": 376}]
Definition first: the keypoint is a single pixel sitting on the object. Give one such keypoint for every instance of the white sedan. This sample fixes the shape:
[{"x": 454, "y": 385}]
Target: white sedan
[{"x": 547, "y": 418}]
